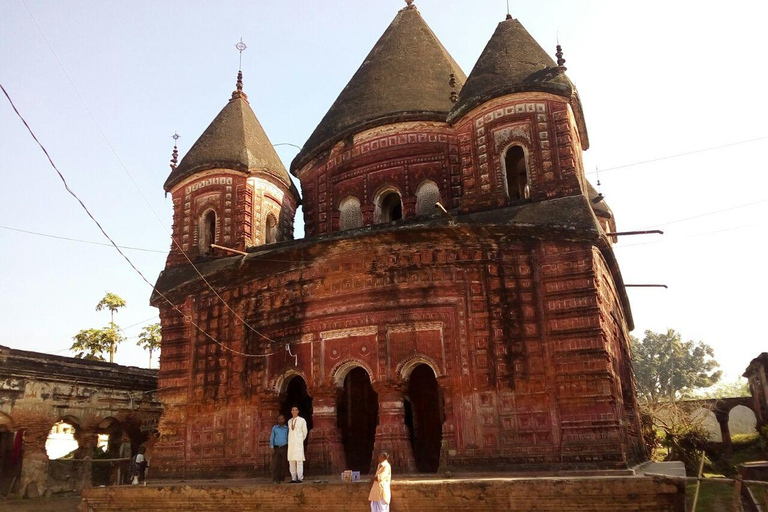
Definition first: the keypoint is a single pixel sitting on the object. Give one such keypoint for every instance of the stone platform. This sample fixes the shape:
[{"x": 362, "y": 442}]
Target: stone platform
[{"x": 409, "y": 494}]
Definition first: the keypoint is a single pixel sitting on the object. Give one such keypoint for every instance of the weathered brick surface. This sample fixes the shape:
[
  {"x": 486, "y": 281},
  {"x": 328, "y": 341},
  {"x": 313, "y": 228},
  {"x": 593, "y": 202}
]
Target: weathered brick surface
[
  {"x": 517, "y": 332},
  {"x": 523, "y": 322},
  {"x": 600, "y": 494},
  {"x": 38, "y": 390}
]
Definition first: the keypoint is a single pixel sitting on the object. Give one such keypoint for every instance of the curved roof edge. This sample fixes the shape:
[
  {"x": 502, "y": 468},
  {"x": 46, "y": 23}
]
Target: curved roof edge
[
  {"x": 405, "y": 77},
  {"x": 234, "y": 140}
]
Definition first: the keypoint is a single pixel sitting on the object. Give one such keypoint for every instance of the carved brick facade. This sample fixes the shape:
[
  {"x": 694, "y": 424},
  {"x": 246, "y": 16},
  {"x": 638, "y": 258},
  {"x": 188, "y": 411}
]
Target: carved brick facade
[{"x": 515, "y": 305}]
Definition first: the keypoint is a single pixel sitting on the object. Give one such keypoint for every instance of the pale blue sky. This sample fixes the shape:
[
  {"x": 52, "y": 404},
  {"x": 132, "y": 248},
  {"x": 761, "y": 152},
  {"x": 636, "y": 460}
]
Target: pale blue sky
[{"x": 656, "y": 79}]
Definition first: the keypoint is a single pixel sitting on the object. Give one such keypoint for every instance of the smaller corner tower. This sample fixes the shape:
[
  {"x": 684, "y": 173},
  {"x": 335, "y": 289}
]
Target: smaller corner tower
[
  {"x": 521, "y": 121},
  {"x": 230, "y": 189}
]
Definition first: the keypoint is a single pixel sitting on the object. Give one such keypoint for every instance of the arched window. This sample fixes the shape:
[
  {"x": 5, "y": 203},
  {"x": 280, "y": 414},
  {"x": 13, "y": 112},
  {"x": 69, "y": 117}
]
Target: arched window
[
  {"x": 389, "y": 207},
  {"x": 207, "y": 232},
  {"x": 350, "y": 215},
  {"x": 427, "y": 194},
  {"x": 270, "y": 230},
  {"x": 516, "y": 174}
]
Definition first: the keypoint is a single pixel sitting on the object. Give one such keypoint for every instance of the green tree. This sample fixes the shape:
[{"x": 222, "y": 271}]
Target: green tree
[
  {"x": 150, "y": 339},
  {"x": 111, "y": 302},
  {"x": 735, "y": 389},
  {"x": 92, "y": 343},
  {"x": 667, "y": 368}
]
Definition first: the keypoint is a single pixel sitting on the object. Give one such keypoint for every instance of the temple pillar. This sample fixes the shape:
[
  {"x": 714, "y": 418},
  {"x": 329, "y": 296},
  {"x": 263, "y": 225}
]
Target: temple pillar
[
  {"x": 335, "y": 220},
  {"x": 268, "y": 410},
  {"x": 34, "y": 463},
  {"x": 722, "y": 419},
  {"x": 392, "y": 434},
  {"x": 409, "y": 207},
  {"x": 448, "y": 442},
  {"x": 325, "y": 451},
  {"x": 367, "y": 211},
  {"x": 87, "y": 439}
]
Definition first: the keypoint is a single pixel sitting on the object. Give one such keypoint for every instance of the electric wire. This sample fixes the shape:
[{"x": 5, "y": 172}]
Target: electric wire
[
  {"x": 144, "y": 249},
  {"x": 677, "y": 155},
  {"x": 138, "y": 323},
  {"x": 710, "y": 213},
  {"x": 187, "y": 318},
  {"x": 79, "y": 240},
  {"x": 146, "y": 201}
]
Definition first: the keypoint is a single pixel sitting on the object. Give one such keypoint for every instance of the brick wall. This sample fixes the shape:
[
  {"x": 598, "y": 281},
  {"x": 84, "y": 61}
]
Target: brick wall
[{"x": 514, "y": 330}]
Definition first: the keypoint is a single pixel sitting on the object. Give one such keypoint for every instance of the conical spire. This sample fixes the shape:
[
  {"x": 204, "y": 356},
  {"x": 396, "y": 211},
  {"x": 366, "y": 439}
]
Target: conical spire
[
  {"x": 234, "y": 140},
  {"x": 512, "y": 61},
  {"x": 404, "y": 77}
]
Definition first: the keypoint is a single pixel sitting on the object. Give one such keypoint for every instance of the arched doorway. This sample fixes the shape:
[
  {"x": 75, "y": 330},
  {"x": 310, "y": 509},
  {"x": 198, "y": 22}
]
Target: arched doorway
[
  {"x": 389, "y": 207},
  {"x": 10, "y": 454},
  {"x": 358, "y": 415},
  {"x": 296, "y": 394},
  {"x": 741, "y": 420},
  {"x": 424, "y": 418}
]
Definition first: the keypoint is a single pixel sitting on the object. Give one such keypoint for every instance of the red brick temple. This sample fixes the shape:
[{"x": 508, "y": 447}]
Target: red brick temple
[{"x": 488, "y": 333}]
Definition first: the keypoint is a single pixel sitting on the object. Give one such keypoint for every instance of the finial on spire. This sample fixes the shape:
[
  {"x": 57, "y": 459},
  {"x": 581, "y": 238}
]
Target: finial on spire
[
  {"x": 241, "y": 48},
  {"x": 409, "y": 4},
  {"x": 454, "y": 97},
  {"x": 175, "y": 153},
  {"x": 509, "y": 16},
  {"x": 238, "y": 93},
  {"x": 560, "y": 59}
]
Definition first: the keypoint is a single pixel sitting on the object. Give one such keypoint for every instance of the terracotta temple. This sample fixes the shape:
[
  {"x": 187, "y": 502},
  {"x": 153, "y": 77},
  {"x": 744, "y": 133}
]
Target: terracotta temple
[{"x": 456, "y": 300}]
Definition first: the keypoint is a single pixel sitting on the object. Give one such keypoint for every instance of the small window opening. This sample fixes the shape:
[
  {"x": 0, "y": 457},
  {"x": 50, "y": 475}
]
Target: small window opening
[
  {"x": 270, "y": 234},
  {"x": 208, "y": 232},
  {"x": 517, "y": 174},
  {"x": 391, "y": 207}
]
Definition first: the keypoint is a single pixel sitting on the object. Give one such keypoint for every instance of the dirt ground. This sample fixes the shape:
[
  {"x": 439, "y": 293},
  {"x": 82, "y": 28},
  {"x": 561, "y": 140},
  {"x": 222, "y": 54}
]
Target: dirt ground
[{"x": 66, "y": 503}]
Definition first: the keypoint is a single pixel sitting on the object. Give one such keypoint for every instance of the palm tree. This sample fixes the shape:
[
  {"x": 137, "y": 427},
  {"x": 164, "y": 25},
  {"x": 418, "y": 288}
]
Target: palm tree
[
  {"x": 91, "y": 343},
  {"x": 111, "y": 302},
  {"x": 150, "y": 339}
]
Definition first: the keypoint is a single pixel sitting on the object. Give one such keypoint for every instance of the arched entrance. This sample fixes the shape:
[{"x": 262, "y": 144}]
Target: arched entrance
[
  {"x": 296, "y": 394},
  {"x": 10, "y": 454},
  {"x": 424, "y": 418},
  {"x": 358, "y": 415}
]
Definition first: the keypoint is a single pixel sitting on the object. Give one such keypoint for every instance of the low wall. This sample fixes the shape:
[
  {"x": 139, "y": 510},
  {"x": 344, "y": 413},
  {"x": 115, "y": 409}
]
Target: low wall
[{"x": 627, "y": 494}]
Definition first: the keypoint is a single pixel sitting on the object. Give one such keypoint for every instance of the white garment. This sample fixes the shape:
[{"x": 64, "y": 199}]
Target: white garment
[
  {"x": 297, "y": 470},
  {"x": 379, "y": 506},
  {"x": 380, "y": 492},
  {"x": 297, "y": 433}
]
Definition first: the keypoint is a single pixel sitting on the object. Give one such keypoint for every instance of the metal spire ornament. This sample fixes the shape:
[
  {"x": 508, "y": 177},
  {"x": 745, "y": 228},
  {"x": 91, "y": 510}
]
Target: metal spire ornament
[
  {"x": 175, "y": 153},
  {"x": 238, "y": 93},
  {"x": 454, "y": 97},
  {"x": 509, "y": 16},
  {"x": 560, "y": 59},
  {"x": 241, "y": 47}
]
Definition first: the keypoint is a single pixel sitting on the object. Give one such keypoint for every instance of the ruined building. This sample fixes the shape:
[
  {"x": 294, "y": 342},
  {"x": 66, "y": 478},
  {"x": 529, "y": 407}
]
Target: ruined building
[
  {"x": 757, "y": 378},
  {"x": 492, "y": 335}
]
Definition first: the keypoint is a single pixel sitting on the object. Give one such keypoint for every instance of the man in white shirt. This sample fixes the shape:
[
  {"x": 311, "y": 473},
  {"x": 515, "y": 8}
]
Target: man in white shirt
[{"x": 297, "y": 433}]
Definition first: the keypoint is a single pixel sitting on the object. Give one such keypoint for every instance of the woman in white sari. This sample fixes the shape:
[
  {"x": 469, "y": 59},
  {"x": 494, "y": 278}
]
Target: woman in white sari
[{"x": 380, "y": 494}]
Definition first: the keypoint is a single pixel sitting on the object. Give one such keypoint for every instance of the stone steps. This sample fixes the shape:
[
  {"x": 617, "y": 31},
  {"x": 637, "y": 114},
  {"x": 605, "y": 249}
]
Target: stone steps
[{"x": 627, "y": 494}]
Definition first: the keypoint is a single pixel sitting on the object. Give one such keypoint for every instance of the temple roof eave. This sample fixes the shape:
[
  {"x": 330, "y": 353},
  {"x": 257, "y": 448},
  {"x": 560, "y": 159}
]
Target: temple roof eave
[{"x": 335, "y": 138}]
